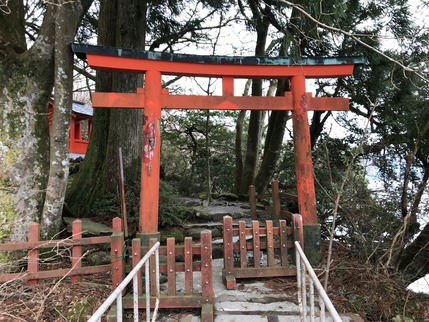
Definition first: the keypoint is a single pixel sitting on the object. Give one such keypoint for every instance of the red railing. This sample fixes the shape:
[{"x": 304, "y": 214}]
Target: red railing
[{"x": 33, "y": 273}]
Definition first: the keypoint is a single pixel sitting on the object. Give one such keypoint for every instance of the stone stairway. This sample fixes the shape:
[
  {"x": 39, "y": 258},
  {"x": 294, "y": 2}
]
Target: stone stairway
[{"x": 252, "y": 301}]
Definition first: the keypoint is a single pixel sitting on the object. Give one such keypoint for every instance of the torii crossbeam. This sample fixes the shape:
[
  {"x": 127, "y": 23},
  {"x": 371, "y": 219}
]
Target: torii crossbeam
[{"x": 153, "y": 99}]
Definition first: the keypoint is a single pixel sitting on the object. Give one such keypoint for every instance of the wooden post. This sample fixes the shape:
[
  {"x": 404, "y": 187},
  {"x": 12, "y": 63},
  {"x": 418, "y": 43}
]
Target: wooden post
[
  {"x": 283, "y": 243},
  {"x": 252, "y": 201},
  {"x": 117, "y": 252},
  {"x": 243, "y": 246},
  {"x": 171, "y": 267},
  {"x": 228, "y": 254},
  {"x": 136, "y": 256},
  {"x": 206, "y": 266},
  {"x": 276, "y": 198},
  {"x": 270, "y": 243},
  {"x": 189, "y": 281},
  {"x": 76, "y": 249},
  {"x": 302, "y": 145},
  {"x": 33, "y": 254},
  {"x": 149, "y": 193},
  {"x": 256, "y": 244},
  {"x": 152, "y": 267}
]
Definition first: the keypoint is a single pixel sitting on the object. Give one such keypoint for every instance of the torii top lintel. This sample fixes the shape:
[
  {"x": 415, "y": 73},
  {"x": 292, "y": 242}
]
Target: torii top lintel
[{"x": 127, "y": 60}]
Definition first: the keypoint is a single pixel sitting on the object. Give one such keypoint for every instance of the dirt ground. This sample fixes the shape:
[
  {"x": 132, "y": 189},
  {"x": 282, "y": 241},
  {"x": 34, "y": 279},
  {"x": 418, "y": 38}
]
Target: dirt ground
[{"x": 354, "y": 288}]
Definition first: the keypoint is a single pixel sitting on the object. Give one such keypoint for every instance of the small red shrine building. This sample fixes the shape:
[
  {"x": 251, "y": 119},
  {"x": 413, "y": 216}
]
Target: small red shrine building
[{"x": 80, "y": 127}]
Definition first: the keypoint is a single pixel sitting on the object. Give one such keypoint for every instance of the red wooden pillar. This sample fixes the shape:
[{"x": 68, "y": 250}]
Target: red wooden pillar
[
  {"x": 302, "y": 145},
  {"x": 77, "y": 249},
  {"x": 149, "y": 192},
  {"x": 304, "y": 170}
]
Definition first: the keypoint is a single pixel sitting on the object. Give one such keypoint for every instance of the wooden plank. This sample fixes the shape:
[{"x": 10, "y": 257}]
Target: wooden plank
[
  {"x": 180, "y": 300},
  {"x": 136, "y": 256},
  {"x": 242, "y": 237},
  {"x": 117, "y": 252},
  {"x": 270, "y": 243},
  {"x": 228, "y": 254},
  {"x": 152, "y": 267},
  {"x": 256, "y": 244},
  {"x": 283, "y": 243},
  {"x": 252, "y": 201},
  {"x": 329, "y": 104},
  {"x": 276, "y": 198},
  {"x": 207, "y": 313},
  {"x": 189, "y": 280},
  {"x": 171, "y": 267},
  {"x": 33, "y": 255},
  {"x": 196, "y": 250},
  {"x": 55, "y": 243},
  {"x": 77, "y": 249},
  {"x": 118, "y": 100},
  {"x": 88, "y": 270},
  {"x": 253, "y": 272},
  {"x": 206, "y": 266},
  {"x": 227, "y": 86},
  {"x": 122, "y": 192},
  {"x": 263, "y": 245}
]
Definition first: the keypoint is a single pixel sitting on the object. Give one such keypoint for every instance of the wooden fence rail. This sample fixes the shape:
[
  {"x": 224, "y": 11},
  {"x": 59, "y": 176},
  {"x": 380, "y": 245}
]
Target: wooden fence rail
[{"x": 34, "y": 246}]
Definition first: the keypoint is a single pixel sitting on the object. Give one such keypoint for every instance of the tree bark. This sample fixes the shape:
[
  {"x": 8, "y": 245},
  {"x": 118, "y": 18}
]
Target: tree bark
[
  {"x": 26, "y": 80},
  {"x": 238, "y": 151},
  {"x": 254, "y": 133},
  {"x": 414, "y": 262},
  {"x": 67, "y": 20},
  {"x": 113, "y": 128},
  {"x": 273, "y": 142}
]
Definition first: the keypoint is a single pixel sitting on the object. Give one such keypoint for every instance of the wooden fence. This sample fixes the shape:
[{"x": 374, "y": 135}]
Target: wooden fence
[
  {"x": 194, "y": 261},
  {"x": 34, "y": 246},
  {"x": 243, "y": 247},
  {"x": 272, "y": 208}
]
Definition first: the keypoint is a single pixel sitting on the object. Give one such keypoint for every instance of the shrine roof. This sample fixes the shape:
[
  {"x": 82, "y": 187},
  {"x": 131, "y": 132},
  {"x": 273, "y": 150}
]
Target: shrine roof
[{"x": 82, "y": 50}]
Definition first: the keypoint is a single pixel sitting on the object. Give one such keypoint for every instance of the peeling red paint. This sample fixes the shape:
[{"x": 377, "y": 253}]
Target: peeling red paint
[{"x": 149, "y": 144}]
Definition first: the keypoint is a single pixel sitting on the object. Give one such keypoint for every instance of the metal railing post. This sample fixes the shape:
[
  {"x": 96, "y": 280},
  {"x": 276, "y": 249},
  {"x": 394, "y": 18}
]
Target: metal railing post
[
  {"x": 117, "y": 293},
  {"x": 303, "y": 265}
]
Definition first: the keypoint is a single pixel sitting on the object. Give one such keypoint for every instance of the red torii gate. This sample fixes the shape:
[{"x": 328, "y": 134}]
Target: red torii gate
[{"x": 153, "y": 98}]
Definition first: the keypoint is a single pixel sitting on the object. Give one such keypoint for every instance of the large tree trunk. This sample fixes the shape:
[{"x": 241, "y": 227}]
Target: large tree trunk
[
  {"x": 67, "y": 19},
  {"x": 273, "y": 142},
  {"x": 414, "y": 262},
  {"x": 26, "y": 80},
  {"x": 254, "y": 132},
  {"x": 98, "y": 175}
]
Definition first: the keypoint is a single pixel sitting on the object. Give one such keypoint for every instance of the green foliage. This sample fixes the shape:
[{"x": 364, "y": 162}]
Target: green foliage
[
  {"x": 184, "y": 151},
  {"x": 170, "y": 210}
]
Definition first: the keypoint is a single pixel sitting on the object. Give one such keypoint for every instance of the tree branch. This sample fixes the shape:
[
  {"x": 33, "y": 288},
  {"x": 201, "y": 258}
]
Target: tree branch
[{"x": 354, "y": 37}]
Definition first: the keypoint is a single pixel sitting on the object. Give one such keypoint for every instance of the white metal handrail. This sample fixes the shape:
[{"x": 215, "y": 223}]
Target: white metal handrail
[
  {"x": 303, "y": 265},
  {"x": 117, "y": 293}
]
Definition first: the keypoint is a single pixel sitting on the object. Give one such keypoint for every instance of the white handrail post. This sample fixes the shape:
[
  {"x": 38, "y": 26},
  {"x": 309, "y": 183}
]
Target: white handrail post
[
  {"x": 117, "y": 293},
  {"x": 302, "y": 265}
]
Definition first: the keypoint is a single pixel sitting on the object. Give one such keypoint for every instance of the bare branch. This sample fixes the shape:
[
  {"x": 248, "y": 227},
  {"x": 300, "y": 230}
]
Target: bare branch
[{"x": 355, "y": 37}]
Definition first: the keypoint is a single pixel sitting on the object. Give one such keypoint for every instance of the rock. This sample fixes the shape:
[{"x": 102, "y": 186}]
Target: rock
[
  {"x": 176, "y": 232},
  {"x": 194, "y": 232},
  {"x": 202, "y": 215},
  {"x": 98, "y": 258},
  {"x": 89, "y": 227},
  {"x": 81, "y": 310}
]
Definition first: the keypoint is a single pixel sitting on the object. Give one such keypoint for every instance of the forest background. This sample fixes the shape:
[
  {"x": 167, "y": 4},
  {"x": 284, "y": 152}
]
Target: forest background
[{"x": 214, "y": 152}]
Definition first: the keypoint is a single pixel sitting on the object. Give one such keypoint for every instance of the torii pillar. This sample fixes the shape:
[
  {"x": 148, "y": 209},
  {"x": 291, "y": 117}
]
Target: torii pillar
[{"x": 153, "y": 99}]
